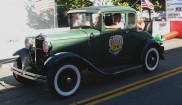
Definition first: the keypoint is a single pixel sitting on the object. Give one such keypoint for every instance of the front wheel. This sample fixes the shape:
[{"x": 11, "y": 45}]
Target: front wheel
[
  {"x": 150, "y": 59},
  {"x": 64, "y": 81}
]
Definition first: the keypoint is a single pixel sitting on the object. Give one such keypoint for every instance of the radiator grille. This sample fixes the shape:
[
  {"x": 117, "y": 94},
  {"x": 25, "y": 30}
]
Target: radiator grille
[{"x": 40, "y": 55}]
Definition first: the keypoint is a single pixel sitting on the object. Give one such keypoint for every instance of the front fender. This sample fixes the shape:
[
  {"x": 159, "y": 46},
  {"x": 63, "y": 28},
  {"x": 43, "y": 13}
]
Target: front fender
[
  {"x": 60, "y": 58},
  {"x": 22, "y": 53},
  {"x": 25, "y": 57}
]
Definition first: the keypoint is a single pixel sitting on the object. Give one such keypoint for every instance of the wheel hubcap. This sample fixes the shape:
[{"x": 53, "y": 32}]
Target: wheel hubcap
[
  {"x": 67, "y": 80},
  {"x": 152, "y": 59}
]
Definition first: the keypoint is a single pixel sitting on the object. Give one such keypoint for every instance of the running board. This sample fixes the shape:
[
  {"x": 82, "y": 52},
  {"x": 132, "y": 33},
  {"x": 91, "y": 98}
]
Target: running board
[{"x": 119, "y": 69}]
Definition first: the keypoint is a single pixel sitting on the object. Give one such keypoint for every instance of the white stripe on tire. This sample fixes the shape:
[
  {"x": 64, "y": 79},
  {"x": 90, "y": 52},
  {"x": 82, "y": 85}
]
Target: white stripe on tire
[
  {"x": 77, "y": 84},
  {"x": 147, "y": 66}
]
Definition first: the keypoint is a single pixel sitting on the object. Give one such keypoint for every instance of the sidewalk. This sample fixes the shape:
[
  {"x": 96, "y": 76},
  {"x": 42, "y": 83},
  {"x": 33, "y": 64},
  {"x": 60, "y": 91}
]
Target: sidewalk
[
  {"x": 171, "y": 44},
  {"x": 7, "y": 80},
  {"x": 11, "y": 44}
]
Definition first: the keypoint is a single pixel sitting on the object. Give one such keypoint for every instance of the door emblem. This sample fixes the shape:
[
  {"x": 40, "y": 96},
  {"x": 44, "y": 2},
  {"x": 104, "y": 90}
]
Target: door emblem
[{"x": 115, "y": 44}]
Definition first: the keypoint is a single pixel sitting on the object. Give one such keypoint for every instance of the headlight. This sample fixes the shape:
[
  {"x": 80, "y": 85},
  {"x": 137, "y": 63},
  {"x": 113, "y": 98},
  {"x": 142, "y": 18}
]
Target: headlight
[
  {"x": 28, "y": 43},
  {"x": 46, "y": 46}
]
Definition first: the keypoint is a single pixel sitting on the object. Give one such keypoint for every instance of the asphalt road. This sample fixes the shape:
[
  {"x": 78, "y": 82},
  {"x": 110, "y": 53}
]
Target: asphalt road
[{"x": 162, "y": 87}]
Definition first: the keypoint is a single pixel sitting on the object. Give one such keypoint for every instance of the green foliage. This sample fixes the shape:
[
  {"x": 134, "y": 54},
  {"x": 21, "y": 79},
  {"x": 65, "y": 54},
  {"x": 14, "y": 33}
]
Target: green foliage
[
  {"x": 159, "y": 5},
  {"x": 127, "y": 3},
  {"x": 72, "y": 4}
]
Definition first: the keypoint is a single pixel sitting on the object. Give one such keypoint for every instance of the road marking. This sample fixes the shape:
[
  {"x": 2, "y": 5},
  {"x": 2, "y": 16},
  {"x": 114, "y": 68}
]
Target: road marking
[{"x": 127, "y": 88}]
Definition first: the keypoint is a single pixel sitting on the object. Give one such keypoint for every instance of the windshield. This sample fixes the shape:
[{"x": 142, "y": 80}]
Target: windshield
[{"x": 84, "y": 20}]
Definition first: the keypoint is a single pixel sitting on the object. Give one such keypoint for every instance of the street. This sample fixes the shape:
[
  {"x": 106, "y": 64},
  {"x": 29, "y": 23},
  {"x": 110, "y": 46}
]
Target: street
[{"x": 162, "y": 87}]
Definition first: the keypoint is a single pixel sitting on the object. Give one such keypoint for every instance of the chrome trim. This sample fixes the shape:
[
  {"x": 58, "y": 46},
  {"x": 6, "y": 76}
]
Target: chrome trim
[{"x": 27, "y": 75}]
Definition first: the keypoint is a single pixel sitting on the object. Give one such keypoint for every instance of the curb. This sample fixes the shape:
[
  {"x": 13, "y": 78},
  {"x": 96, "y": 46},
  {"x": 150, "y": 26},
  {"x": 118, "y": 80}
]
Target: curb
[{"x": 8, "y": 60}]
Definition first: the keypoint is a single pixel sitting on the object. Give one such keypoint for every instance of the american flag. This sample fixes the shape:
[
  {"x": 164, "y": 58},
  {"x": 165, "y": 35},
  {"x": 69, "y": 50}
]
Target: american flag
[
  {"x": 147, "y": 4},
  {"x": 43, "y": 5}
]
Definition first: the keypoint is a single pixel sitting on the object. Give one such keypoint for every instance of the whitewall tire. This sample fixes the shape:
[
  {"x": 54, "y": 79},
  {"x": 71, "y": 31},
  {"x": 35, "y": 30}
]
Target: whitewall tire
[
  {"x": 64, "y": 81},
  {"x": 150, "y": 59}
]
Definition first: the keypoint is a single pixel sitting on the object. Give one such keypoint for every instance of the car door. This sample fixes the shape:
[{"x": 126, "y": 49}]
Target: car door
[
  {"x": 115, "y": 46},
  {"x": 120, "y": 44},
  {"x": 114, "y": 38},
  {"x": 118, "y": 47}
]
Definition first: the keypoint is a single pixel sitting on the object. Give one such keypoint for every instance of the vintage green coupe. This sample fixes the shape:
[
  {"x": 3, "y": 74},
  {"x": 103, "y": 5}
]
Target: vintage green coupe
[{"x": 60, "y": 58}]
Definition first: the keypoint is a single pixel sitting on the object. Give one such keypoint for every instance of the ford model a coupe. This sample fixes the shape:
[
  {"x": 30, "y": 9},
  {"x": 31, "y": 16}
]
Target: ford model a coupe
[{"x": 60, "y": 57}]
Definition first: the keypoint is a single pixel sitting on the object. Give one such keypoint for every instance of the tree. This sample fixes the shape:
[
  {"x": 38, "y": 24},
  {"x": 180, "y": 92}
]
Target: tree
[
  {"x": 127, "y": 3},
  {"x": 157, "y": 3},
  {"x": 72, "y": 4}
]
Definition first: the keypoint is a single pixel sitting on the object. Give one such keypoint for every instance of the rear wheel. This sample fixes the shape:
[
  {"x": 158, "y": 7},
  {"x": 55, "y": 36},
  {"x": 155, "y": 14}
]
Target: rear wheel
[
  {"x": 64, "y": 81},
  {"x": 150, "y": 59},
  {"x": 20, "y": 79}
]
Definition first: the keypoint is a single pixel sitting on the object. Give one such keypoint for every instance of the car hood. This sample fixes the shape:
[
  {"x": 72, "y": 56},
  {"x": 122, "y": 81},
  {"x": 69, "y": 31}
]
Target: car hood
[{"x": 70, "y": 34}]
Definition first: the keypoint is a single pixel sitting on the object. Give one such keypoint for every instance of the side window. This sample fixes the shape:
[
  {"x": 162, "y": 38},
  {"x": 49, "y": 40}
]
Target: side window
[
  {"x": 115, "y": 20},
  {"x": 123, "y": 18},
  {"x": 131, "y": 20}
]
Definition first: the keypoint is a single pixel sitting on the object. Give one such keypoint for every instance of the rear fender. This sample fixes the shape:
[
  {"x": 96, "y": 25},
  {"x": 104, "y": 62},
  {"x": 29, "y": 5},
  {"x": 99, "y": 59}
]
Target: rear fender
[{"x": 155, "y": 44}]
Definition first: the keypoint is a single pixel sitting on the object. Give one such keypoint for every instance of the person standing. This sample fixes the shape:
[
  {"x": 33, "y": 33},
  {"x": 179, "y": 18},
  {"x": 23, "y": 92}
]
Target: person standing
[{"x": 140, "y": 22}]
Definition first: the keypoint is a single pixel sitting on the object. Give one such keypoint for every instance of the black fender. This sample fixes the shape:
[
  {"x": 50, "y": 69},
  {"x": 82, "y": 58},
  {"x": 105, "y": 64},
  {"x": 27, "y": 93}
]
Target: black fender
[
  {"x": 22, "y": 53},
  {"x": 155, "y": 44},
  {"x": 26, "y": 56},
  {"x": 69, "y": 57}
]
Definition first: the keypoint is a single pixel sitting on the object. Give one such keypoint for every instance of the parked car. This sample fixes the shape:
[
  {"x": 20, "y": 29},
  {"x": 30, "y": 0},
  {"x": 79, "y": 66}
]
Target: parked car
[
  {"x": 60, "y": 57},
  {"x": 145, "y": 14},
  {"x": 160, "y": 17}
]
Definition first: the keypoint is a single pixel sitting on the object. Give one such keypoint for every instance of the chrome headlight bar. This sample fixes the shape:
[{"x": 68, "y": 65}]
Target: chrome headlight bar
[{"x": 46, "y": 46}]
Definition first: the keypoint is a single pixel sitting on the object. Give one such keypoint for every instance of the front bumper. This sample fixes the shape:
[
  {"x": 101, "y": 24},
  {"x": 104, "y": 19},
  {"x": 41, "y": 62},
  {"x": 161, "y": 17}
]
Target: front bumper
[{"x": 28, "y": 75}]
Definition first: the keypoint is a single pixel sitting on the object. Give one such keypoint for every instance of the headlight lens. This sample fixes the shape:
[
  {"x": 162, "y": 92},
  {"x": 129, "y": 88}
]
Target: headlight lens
[
  {"x": 46, "y": 46},
  {"x": 28, "y": 43}
]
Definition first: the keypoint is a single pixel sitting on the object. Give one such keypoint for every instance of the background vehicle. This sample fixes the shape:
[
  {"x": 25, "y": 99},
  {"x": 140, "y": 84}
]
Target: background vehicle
[
  {"x": 160, "y": 17},
  {"x": 60, "y": 57}
]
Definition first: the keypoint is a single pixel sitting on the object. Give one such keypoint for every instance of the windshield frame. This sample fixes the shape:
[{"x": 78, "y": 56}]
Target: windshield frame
[{"x": 91, "y": 24}]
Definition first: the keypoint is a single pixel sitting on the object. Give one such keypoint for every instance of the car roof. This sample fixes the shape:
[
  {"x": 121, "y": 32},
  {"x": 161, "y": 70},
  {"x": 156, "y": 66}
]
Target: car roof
[{"x": 100, "y": 9}]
